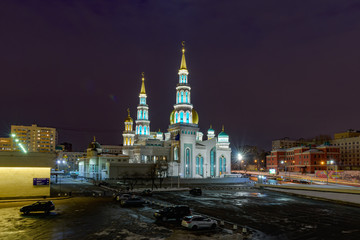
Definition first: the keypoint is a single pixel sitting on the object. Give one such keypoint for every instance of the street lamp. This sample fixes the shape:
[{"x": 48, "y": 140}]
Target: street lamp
[{"x": 331, "y": 162}]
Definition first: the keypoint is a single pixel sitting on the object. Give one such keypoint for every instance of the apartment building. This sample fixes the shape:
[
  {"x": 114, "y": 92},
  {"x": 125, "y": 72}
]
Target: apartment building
[
  {"x": 5, "y": 144},
  {"x": 34, "y": 138},
  {"x": 349, "y": 152},
  {"x": 285, "y": 143}
]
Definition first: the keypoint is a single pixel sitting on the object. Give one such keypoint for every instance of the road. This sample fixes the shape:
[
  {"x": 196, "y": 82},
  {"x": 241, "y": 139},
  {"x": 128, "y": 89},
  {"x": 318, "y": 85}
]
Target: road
[
  {"x": 267, "y": 214},
  {"x": 274, "y": 215}
]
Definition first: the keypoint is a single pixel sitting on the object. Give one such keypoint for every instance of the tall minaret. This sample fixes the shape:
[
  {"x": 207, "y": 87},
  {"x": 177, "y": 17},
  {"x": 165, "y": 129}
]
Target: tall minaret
[
  {"x": 183, "y": 109},
  {"x": 128, "y": 133},
  {"x": 142, "y": 120}
]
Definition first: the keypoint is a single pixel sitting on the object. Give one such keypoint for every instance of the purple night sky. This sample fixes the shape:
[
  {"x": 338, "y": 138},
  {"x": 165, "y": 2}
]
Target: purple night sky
[{"x": 264, "y": 69}]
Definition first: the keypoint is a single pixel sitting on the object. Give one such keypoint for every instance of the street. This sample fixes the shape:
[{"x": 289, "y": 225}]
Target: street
[{"x": 266, "y": 215}]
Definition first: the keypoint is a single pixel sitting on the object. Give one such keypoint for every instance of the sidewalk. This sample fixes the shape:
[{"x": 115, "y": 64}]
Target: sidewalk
[
  {"x": 349, "y": 196},
  {"x": 33, "y": 199}
]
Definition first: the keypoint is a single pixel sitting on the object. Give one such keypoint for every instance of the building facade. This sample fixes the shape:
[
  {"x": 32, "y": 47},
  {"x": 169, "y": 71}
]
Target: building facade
[
  {"x": 285, "y": 143},
  {"x": 33, "y": 138},
  {"x": 5, "y": 144},
  {"x": 304, "y": 159},
  {"x": 182, "y": 147},
  {"x": 349, "y": 152}
]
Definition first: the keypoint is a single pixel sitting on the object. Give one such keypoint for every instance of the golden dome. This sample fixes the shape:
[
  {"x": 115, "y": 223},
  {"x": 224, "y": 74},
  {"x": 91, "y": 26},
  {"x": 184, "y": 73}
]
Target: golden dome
[
  {"x": 128, "y": 119},
  {"x": 195, "y": 117},
  {"x": 172, "y": 117}
]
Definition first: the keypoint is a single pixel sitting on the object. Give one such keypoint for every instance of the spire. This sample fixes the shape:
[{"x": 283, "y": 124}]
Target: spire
[
  {"x": 142, "y": 84},
  {"x": 183, "y": 62},
  {"x": 128, "y": 110},
  {"x": 222, "y": 128},
  {"x": 94, "y": 139}
]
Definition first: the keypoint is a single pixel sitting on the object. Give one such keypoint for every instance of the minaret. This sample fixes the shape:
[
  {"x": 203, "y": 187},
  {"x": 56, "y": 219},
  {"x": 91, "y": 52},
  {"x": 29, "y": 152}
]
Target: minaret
[
  {"x": 142, "y": 120},
  {"x": 128, "y": 134},
  {"x": 183, "y": 109}
]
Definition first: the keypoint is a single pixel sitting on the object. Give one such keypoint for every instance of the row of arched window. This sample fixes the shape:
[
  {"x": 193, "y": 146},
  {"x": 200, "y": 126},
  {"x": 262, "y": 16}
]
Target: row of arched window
[
  {"x": 182, "y": 79},
  {"x": 128, "y": 127},
  {"x": 142, "y": 130},
  {"x": 182, "y": 117},
  {"x": 128, "y": 141},
  {"x": 142, "y": 114},
  {"x": 183, "y": 97}
]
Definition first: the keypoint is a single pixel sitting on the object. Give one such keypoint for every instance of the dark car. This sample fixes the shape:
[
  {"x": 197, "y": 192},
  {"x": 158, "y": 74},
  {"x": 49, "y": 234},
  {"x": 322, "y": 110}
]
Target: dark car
[
  {"x": 195, "y": 191},
  {"x": 146, "y": 193},
  {"x": 132, "y": 202},
  {"x": 304, "y": 182},
  {"x": 120, "y": 196},
  {"x": 177, "y": 213},
  {"x": 40, "y": 206}
]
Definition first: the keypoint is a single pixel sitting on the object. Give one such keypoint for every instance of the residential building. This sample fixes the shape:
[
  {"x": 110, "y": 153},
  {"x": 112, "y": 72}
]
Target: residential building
[
  {"x": 34, "y": 138},
  {"x": 348, "y": 134},
  {"x": 304, "y": 159},
  {"x": 287, "y": 143},
  {"x": 5, "y": 144},
  {"x": 349, "y": 152}
]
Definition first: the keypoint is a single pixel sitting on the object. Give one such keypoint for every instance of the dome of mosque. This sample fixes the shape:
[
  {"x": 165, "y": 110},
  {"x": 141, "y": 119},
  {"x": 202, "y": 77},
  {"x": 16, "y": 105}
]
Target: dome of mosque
[{"x": 195, "y": 117}]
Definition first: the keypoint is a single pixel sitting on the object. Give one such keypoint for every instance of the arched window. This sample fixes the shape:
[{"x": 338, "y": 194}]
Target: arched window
[
  {"x": 140, "y": 130},
  {"x": 181, "y": 117},
  {"x": 176, "y": 117},
  {"x": 187, "y": 117},
  {"x": 186, "y": 95},
  {"x": 182, "y": 96},
  {"x": 130, "y": 142},
  {"x": 176, "y": 154},
  {"x": 184, "y": 78},
  {"x": 137, "y": 130},
  {"x": 187, "y": 162},
  {"x": 126, "y": 141},
  {"x": 202, "y": 166},
  {"x": 197, "y": 164},
  {"x": 178, "y": 97},
  {"x": 222, "y": 165},
  {"x": 145, "y": 130},
  {"x": 213, "y": 162}
]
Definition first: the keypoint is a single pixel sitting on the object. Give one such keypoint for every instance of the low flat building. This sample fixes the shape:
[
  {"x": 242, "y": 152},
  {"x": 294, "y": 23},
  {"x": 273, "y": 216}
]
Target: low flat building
[{"x": 25, "y": 175}]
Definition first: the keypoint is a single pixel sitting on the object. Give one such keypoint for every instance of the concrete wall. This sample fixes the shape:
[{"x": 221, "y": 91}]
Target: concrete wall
[{"x": 18, "y": 181}]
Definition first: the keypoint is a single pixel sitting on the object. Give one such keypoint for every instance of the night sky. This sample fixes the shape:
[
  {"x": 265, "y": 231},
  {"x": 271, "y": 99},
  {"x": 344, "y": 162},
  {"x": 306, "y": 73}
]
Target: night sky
[{"x": 265, "y": 69}]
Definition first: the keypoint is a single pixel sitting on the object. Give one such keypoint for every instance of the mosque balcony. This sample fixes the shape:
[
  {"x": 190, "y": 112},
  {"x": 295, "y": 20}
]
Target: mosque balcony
[
  {"x": 184, "y": 86},
  {"x": 143, "y": 121},
  {"x": 182, "y": 106},
  {"x": 143, "y": 106}
]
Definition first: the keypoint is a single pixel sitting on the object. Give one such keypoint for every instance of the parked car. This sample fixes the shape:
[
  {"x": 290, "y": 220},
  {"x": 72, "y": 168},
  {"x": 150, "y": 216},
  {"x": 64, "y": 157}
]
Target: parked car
[
  {"x": 40, "y": 206},
  {"x": 197, "y": 221},
  {"x": 177, "y": 213},
  {"x": 146, "y": 193},
  {"x": 132, "y": 202},
  {"x": 120, "y": 197},
  {"x": 195, "y": 191},
  {"x": 304, "y": 181}
]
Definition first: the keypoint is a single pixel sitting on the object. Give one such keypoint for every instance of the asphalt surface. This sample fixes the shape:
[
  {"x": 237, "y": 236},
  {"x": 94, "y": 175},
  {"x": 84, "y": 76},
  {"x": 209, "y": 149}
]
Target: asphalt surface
[
  {"x": 274, "y": 215},
  {"x": 266, "y": 215}
]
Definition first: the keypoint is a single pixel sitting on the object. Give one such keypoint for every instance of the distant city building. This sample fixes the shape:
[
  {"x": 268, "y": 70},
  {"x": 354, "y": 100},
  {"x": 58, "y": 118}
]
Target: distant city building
[
  {"x": 34, "y": 138},
  {"x": 287, "y": 143},
  {"x": 349, "y": 151},
  {"x": 348, "y": 134},
  {"x": 65, "y": 146},
  {"x": 68, "y": 161},
  {"x": 5, "y": 144},
  {"x": 304, "y": 159}
]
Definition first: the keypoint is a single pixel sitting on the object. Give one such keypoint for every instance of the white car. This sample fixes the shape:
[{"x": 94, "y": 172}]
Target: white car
[{"x": 197, "y": 221}]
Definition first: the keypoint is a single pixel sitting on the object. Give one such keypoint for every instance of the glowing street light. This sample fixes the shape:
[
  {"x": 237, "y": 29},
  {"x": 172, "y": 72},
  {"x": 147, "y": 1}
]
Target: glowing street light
[{"x": 240, "y": 156}]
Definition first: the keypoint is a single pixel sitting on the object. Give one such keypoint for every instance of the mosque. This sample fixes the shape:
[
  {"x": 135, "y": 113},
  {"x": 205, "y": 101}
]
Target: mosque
[{"x": 182, "y": 148}]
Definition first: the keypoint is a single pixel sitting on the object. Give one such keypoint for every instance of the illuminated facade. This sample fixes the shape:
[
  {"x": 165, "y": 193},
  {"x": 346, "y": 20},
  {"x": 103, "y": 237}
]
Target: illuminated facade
[
  {"x": 5, "y": 144},
  {"x": 303, "y": 159},
  {"x": 34, "y": 138},
  {"x": 182, "y": 147}
]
